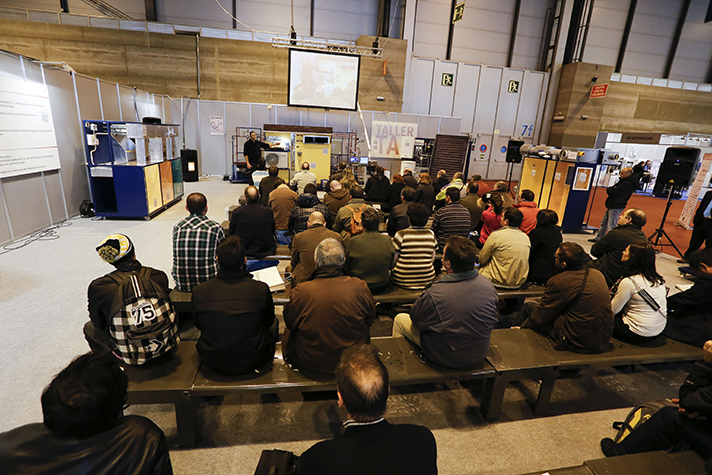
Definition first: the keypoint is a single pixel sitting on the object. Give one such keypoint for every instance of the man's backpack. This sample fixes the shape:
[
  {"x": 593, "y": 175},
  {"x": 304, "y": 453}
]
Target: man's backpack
[
  {"x": 637, "y": 416},
  {"x": 356, "y": 224},
  {"x": 143, "y": 322}
]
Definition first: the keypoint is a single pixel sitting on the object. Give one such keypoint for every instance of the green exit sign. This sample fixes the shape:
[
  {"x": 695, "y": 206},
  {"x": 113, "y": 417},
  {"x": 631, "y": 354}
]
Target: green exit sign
[
  {"x": 513, "y": 87},
  {"x": 458, "y": 13},
  {"x": 447, "y": 79}
]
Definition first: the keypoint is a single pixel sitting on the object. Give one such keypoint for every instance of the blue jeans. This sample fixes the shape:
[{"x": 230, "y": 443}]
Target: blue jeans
[
  {"x": 609, "y": 221},
  {"x": 283, "y": 238}
]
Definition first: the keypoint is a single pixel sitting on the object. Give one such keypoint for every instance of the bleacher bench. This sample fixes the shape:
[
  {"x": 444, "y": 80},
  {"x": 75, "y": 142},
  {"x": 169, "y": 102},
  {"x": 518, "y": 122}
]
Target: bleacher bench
[
  {"x": 523, "y": 354},
  {"x": 397, "y": 296},
  {"x": 648, "y": 463},
  {"x": 171, "y": 384}
]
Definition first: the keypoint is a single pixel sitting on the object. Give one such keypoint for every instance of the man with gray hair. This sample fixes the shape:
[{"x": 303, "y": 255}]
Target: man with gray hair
[
  {"x": 301, "y": 179},
  {"x": 327, "y": 314}
]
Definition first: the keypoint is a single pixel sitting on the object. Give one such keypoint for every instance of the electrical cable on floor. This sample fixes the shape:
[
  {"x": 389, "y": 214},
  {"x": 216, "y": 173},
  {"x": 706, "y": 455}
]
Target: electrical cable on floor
[{"x": 46, "y": 234}]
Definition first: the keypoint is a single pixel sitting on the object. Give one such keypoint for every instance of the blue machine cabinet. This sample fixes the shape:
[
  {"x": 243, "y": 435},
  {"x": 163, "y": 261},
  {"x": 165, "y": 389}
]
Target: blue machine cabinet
[{"x": 133, "y": 169}]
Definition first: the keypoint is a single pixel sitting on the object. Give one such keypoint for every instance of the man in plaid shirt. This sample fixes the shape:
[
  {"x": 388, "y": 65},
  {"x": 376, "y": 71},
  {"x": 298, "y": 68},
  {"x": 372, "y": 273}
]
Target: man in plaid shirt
[{"x": 195, "y": 240}]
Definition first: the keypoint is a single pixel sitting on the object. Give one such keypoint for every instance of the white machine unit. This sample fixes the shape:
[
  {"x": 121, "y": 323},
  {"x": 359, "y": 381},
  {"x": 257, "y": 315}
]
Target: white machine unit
[{"x": 276, "y": 157}]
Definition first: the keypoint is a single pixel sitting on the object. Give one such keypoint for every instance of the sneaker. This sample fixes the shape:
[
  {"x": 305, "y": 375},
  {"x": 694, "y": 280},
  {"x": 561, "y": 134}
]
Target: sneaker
[{"x": 609, "y": 447}]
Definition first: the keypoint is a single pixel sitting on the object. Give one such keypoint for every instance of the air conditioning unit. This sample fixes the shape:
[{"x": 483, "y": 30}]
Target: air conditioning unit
[
  {"x": 273, "y": 157},
  {"x": 317, "y": 139}
]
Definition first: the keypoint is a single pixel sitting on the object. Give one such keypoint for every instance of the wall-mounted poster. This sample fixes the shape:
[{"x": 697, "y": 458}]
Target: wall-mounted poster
[
  {"x": 393, "y": 139},
  {"x": 583, "y": 179},
  {"x": 27, "y": 140}
]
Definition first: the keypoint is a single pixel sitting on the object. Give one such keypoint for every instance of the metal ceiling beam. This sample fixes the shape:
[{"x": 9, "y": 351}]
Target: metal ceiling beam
[
  {"x": 626, "y": 35},
  {"x": 676, "y": 38}
]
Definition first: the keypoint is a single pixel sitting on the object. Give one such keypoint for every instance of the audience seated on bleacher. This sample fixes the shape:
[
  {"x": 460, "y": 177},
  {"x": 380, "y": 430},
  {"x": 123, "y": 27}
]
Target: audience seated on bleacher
[
  {"x": 491, "y": 217},
  {"x": 302, "y": 179},
  {"x": 336, "y": 198},
  {"x": 545, "y": 240},
  {"x": 690, "y": 312},
  {"x": 500, "y": 188},
  {"x": 307, "y": 203},
  {"x": 254, "y": 224},
  {"x": 326, "y": 315},
  {"x": 639, "y": 297},
  {"x": 457, "y": 183},
  {"x": 342, "y": 223},
  {"x": 195, "y": 240},
  {"x": 369, "y": 255},
  {"x": 268, "y": 184},
  {"x": 377, "y": 187},
  {"x": 425, "y": 192},
  {"x": 409, "y": 179},
  {"x": 676, "y": 429},
  {"x": 482, "y": 187},
  {"x": 575, "y": 310},
  {"x": 451, "y": 220},
  {"x": 304, "y": 245},
  {"x": 282, "y": 201},
  {"x": 118, "y": 250},
  {"x": 609, "y": 249},
  {"x": 235, "y": 316},
  {"x": 504, "y": 259},
  {"x": 398, "y": 217},
  {"x": 84, "y": 430},
  {"x": 414, "y": 251},
  {"x": 369, "y": 444},
  {"x": 440, "y": 181},
  {"x": 348, "y": 180},
  {"x": 453, "y": 318},
  {"x": 474, "y": 204},
  {"x": 529, "y": 209},
  {"x": 394, "y": 193},
  {"x": 339, "y": 174}
]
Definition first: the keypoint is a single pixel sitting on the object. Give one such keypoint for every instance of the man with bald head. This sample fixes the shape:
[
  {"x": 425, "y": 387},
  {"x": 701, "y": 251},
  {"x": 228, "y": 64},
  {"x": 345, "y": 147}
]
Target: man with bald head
[
  {"x": 337, "y": 197},
  {"x": 369, "y": 444},
  {"x": 618, "y": 196},
  {"x": 609, "y": 249},
  {"x": 254, "y": 224},
  {"x": 304, "y": 244}
]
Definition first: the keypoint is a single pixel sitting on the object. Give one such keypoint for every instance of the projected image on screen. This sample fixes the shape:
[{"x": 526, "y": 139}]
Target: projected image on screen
[{"x": 323, "y": 79}]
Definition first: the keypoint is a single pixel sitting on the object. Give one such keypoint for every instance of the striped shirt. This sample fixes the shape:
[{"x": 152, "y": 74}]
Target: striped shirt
[
  {"x": 195, "y": 240},
  {"x": 452, "y": 220},
  {"x": 415, "y": 247}
]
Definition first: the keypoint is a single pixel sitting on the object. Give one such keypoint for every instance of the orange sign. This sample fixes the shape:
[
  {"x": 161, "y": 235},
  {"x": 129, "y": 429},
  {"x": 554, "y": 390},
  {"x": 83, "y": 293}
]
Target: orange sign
[{"x": 599, "y": 91}]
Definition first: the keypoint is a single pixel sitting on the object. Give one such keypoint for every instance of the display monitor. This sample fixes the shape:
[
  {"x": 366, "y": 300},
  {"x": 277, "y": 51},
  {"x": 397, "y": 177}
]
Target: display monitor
[
  {"x": 364, "y": 161},
  {"x": 353, "y": 159},
  {"x": 326, "y": 80}
]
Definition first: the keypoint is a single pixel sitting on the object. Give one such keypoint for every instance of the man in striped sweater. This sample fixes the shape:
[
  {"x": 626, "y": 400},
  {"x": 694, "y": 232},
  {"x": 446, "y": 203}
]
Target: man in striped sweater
[
  {"x": 451, "y": 220},
  {"x": 415, "y": 250}
]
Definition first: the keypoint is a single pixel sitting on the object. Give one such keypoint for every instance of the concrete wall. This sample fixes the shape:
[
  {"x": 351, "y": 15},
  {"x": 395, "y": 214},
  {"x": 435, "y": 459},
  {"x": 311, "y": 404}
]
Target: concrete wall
[
  {"x": 626, "y": 108},
  {"x": 230, "y": 70}
]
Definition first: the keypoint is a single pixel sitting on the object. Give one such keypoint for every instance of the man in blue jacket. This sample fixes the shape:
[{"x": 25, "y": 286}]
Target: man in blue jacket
[{"x": 453, "y": 331}]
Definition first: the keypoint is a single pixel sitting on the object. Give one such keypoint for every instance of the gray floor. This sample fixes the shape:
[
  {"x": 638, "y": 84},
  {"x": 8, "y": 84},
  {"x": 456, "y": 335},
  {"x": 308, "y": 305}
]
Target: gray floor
[{"x": 43, "y": 307}]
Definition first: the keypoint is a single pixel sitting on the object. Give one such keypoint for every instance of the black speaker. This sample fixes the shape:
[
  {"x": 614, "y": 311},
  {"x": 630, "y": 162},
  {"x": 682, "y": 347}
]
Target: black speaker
[
  {"x": 677, "y": 168},
  {"x": 190, "y": 164},
  {"x": 513, "y": 155}
]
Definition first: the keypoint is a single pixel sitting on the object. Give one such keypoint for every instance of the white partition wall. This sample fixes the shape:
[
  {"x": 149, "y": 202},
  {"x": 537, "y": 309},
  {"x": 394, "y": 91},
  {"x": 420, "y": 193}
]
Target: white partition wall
[{"x": 495, "y": 104}]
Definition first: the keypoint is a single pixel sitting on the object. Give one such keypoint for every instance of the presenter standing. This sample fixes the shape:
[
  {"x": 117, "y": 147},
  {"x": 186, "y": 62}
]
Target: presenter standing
[{"x": 252, "y": 153}]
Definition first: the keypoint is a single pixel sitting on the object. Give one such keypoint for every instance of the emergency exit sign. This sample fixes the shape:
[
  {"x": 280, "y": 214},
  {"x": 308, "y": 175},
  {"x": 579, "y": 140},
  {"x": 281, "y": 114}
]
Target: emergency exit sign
[
  {"x": 599, "y": 90},
  {"x": 447, "y": 79},
  {"x": 458, "y": 13}
]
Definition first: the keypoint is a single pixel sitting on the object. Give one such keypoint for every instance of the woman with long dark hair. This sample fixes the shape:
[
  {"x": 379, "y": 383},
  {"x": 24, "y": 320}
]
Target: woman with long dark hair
[
  {"x": 639, "y": 297},
  {"x": 545, "y": 239},
  {"x": 491, "y": 217},
  {"x": 425, "y": 193}
]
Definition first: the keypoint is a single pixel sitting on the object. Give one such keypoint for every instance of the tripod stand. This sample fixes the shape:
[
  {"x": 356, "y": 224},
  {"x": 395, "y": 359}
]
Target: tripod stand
[{"x": 660, "y": 232}]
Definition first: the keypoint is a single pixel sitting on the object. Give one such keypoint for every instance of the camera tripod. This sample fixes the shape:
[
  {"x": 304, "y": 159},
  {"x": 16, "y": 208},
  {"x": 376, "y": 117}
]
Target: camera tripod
[{"x": 660, "y": 232}]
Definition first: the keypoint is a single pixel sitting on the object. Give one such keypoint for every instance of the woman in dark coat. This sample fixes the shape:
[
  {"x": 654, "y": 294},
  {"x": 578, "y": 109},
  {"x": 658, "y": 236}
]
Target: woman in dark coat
[
  {"x": 425, "y": 193},
  {"x": 394, "y": 193},
  {"x": 545, "y": 240},
  {"x": 377, "y": 187}
]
